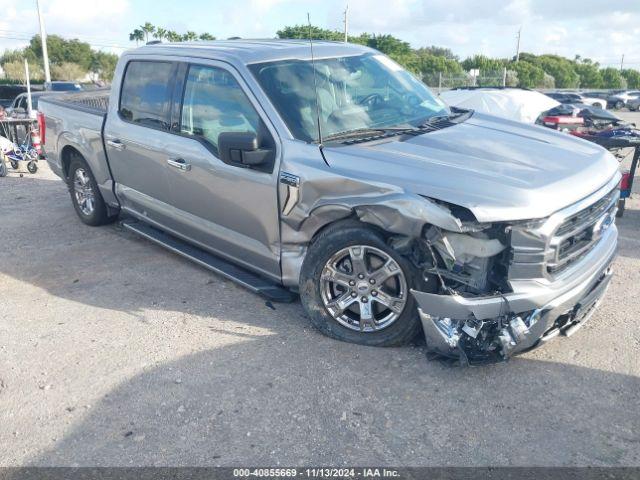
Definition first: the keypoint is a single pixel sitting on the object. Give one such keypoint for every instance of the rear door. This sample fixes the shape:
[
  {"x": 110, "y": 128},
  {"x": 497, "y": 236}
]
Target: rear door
[
  {"x": 228, "y": 208},
  {"x": 137, "y": 137}
]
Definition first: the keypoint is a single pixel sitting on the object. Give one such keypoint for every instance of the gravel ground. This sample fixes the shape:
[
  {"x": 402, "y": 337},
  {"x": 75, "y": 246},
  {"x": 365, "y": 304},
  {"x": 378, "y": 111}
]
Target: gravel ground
[{"x": 116, "y": 352}]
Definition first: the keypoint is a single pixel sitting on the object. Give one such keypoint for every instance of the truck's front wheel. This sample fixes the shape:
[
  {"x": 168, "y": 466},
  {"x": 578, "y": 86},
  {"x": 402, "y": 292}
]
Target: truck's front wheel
[
  {"x": 355, "y": 288},
  {"x": 85, "y": 195}
]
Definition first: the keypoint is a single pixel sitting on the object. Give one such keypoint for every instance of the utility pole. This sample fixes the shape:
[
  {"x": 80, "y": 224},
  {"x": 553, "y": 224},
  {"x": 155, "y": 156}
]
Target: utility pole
[
  {"x": 518, "y": 45},
  {"x": 346, "y": 24},
  {"x": 43, "y": 40},
  {"x": 622, "y": 62}
]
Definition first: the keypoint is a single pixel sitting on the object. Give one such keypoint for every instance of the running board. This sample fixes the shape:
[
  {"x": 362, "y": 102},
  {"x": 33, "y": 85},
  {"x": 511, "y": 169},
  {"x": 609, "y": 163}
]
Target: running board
[{"x": 224, "y": 268}]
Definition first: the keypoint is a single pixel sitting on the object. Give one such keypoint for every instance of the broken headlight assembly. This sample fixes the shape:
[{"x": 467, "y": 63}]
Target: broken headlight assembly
[{"x": 471, "y": 264}]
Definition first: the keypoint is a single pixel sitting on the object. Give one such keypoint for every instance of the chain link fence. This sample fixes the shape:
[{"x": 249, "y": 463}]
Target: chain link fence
[{"x": 483, "y": 78}]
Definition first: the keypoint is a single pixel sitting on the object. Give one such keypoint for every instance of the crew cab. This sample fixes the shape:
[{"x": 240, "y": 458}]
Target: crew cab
[{"x": 335, "y": 174}]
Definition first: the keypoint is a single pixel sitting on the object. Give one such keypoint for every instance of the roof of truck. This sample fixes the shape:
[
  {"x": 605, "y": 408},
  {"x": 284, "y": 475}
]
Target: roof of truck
[{"x": 255, "y": 51}]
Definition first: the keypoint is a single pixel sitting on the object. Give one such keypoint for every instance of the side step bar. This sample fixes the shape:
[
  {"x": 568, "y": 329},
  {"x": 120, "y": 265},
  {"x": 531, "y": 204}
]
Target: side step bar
[{"x": 224, "y": 268}]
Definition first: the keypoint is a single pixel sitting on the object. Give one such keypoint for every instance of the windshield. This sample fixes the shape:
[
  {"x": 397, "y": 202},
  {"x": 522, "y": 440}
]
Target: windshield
[{"x": 354, "y": 93}]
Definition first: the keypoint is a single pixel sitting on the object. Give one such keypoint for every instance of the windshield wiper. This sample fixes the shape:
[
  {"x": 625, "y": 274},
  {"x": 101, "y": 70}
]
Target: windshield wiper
[
  {"x": 368, "y": 132},
  {"x": 457, "y": 116}
]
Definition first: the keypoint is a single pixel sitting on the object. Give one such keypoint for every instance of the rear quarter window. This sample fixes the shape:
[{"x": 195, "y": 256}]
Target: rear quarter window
[{"x": 145, "y": 98}]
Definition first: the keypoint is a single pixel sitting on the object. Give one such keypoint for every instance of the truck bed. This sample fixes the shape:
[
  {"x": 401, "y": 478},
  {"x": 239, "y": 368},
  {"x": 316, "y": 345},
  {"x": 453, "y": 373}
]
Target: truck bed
[
  {"x": 95, "y": 101},
  {"x": 74, "y": 122}
]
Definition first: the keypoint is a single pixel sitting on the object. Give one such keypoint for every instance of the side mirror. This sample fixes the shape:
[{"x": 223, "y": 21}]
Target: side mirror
[{"x": 242, "y": 148}]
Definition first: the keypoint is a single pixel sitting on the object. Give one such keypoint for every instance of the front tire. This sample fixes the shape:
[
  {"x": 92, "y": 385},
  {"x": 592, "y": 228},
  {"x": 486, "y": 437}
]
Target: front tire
[
  {"x": 356, "y": 288},
  {"x": 85, "y": 195}
]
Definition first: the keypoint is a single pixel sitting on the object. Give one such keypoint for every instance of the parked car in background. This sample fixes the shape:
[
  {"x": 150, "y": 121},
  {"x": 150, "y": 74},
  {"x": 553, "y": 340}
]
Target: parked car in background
[
  {"x": 389, "y": 212},
  {"x": 634, "y": 104},
  {"x": 620, "y": 99},
  {"x": 63, "y": 86},
  {"x": 575, "y": 97}
]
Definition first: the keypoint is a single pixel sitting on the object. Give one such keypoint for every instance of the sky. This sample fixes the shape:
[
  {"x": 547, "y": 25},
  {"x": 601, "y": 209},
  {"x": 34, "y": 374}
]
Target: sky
[{"x": 602, "y": 31}]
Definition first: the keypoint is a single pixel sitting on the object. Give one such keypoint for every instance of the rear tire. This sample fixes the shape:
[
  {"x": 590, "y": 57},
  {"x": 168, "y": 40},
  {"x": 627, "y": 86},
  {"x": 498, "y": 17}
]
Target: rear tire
[
  {"x": 85, "y": 194},
  {"x": 313, "y": 288}
]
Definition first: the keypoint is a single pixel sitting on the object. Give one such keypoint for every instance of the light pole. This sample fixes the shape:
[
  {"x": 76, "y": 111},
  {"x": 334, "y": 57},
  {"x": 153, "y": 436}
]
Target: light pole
[
  {"x": 346, "y": 24},
  {"x": 43, "y": 41}
]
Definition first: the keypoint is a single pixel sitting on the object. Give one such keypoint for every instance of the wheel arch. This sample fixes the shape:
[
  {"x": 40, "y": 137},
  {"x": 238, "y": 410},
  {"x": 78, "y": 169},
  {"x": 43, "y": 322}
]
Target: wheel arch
[{"x": 67, "y": 154}]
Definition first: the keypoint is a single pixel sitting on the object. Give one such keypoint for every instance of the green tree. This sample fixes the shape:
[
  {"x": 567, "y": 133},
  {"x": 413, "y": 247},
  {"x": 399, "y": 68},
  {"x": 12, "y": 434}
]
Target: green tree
[
  {"x": 438, "y": 52},
  {"x": 174, "y": 36},
  {"x": 63, "y": 51},
  {"x": 302, "y": 31},
  {"x": 395, "y": 48},
  {"x": 483, "y": 63},
  {"x": 19, "y": 55},
  {"x": 429, "y": 64},
  {"x": 529, "y": 75},
  {"x": 67, "y": 71},
  {"x": 632, "y": 77},
  {"x": 612, "y": 78},
  {"x": 190, "y": 36},
  {"x": 148, "y": 29},
  {"x": 206, "y": 37},
  {"x": 561, "y": 69},
  {"x": 14, "y": 70},
  {"x": 160, "y": 33},
  {"x": 589, "y": 73},
  {"x": 137, "y": 35},
  {"x": 104, "y": 64}
]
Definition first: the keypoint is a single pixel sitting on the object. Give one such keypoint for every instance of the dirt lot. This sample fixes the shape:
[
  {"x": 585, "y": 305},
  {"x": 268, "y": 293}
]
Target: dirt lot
[{"x": 116, "y": 352}]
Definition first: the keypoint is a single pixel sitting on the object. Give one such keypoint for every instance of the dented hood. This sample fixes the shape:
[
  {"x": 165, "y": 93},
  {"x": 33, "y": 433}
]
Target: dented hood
[{"x": 499, "y": 169}]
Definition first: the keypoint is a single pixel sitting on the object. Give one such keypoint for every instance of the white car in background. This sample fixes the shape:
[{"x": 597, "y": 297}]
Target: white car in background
[{"x": 576, "y": 97}]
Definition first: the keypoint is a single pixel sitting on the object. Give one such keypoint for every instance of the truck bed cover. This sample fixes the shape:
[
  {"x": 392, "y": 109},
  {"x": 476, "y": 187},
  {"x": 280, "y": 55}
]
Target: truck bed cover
[{"x": 94, "y": 101}]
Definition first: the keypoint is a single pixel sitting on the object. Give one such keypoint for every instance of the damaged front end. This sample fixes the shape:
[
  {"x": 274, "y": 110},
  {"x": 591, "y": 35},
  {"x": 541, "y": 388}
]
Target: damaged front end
[
  {"x": 504, "y": 289},
  {"x": 467, "y": 267}
]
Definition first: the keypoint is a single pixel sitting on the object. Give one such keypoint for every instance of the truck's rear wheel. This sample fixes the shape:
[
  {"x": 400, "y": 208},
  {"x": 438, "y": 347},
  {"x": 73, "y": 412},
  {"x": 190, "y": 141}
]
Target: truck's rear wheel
[
  {"x": 355, "y": 288},
  {"x": 85, "y": 195}
]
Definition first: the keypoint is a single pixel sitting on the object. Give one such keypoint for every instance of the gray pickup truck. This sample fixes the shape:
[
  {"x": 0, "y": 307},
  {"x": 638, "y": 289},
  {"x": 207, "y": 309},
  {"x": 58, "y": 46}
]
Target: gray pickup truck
[{"x": 344, "y": 179}]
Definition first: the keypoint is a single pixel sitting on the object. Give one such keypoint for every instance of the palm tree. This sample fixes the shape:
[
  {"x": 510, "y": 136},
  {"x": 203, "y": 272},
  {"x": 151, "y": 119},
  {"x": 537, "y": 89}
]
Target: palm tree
[
  {"x": 137, "y": 35},
  {"x": 160, "y": 33},
  {"x": 206, "y": 37},
  {"x": 174, "y": 36},
  {"x": 147, "y": 28},
  {"x": 190, "y": 36}
]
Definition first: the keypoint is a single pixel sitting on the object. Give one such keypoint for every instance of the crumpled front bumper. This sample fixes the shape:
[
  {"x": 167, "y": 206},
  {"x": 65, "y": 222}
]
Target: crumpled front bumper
[{"x": 549, "y": 307}]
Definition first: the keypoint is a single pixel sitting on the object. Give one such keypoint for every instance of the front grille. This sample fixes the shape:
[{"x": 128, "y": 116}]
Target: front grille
[{"x": 578, "y": 234}]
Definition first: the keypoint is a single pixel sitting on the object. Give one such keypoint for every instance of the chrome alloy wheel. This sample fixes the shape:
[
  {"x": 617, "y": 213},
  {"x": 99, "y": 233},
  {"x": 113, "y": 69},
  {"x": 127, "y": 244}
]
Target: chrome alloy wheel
[
  {"x": 363, "y": 288},
  {"x": 83, "y": 191}
]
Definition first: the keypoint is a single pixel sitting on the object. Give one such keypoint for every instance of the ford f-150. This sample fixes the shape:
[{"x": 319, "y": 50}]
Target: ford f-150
[{"x": 341, "y": 177}]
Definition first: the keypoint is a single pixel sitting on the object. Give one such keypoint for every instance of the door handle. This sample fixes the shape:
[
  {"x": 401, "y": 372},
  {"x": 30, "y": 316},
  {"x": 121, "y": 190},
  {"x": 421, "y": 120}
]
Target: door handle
[
  {"x": 179, "y": 163},
  {"x": 116, "y": 144}
]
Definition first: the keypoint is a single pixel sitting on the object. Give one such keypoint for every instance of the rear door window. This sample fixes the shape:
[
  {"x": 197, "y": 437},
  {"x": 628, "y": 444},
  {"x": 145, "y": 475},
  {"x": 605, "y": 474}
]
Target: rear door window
[{"x": 146, "y": 93}]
